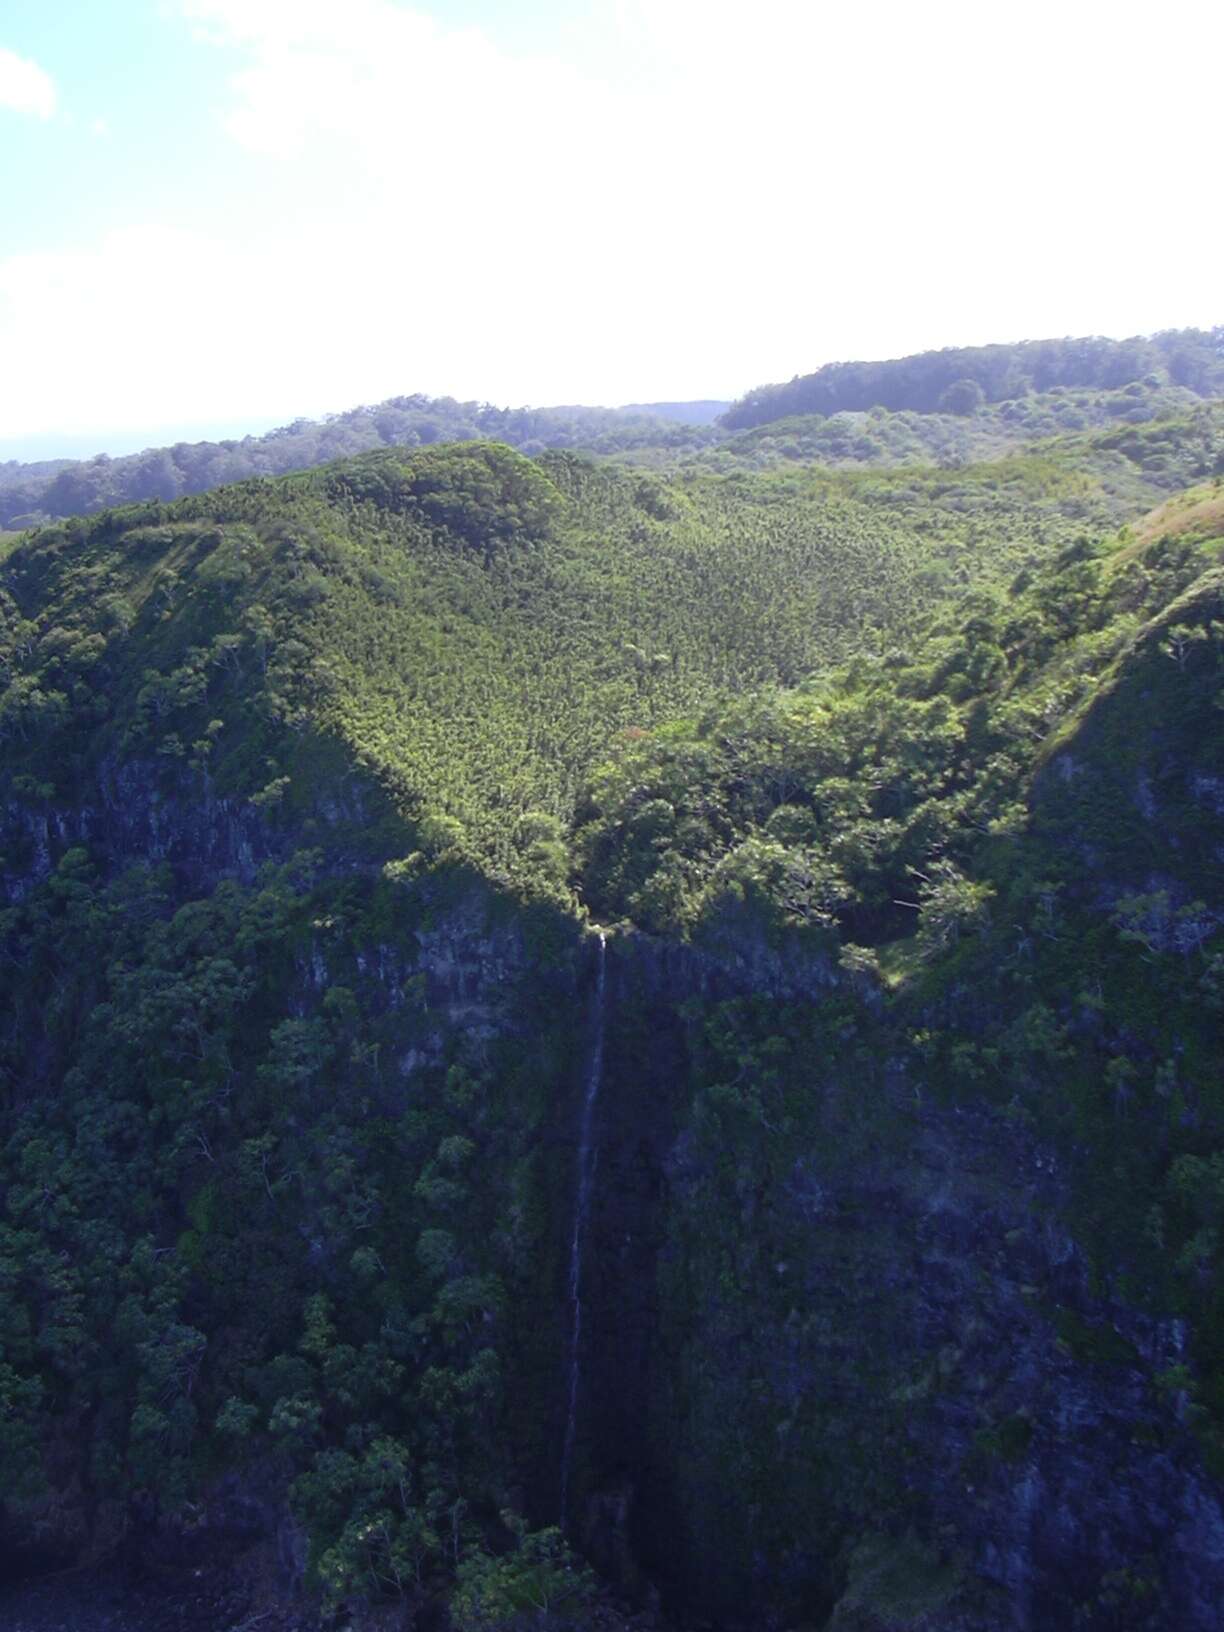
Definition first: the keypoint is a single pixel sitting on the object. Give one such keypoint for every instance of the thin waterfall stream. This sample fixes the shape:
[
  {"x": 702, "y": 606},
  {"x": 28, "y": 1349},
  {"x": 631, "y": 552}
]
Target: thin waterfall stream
[{"x": 582, "y": 1208}]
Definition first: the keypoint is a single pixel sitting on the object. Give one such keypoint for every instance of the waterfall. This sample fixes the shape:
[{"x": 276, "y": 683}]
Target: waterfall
[{"x": 582, "y": 1208}]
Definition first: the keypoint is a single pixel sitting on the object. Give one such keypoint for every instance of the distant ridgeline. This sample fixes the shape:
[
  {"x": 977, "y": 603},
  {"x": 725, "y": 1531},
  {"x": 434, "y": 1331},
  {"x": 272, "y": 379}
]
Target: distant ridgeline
[
  {"x": 960, "y": 379},
  {"x": 950, "y": 407},
  {"x": 30, "y": 493}
]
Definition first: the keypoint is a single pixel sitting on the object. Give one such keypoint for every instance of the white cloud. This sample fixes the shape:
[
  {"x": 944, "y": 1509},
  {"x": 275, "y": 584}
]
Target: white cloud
[
  {"x": 154, "y": 324},
  {"x": 24, "y": 87},
  {"x": 725, "y": 197},
  {"x": 779, "y": 185}
]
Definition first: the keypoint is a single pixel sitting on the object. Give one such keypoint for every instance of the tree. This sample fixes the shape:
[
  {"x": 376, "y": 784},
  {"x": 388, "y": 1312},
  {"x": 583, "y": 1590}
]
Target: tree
[
  {"x": 524, "y": 1587},
  {"x": 962, "y": 397},
  {"x": 1181, "y": 641},
  {"x": 950, "y": 906}
]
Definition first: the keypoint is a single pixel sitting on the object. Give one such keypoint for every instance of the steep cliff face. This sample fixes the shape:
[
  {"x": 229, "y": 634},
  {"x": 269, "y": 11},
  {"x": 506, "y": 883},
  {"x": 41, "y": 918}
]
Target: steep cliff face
[
  {"x": 907, "y": 1339},
  {"x": 129, "y": 811},
  {"x": 245, "y": 1079},
  {"x": 363, "y": 1211},
  {"x": 1136, "y": 784},
  {"x": 845, "y": 1356},
  {"x": 848, "y": 1357}
]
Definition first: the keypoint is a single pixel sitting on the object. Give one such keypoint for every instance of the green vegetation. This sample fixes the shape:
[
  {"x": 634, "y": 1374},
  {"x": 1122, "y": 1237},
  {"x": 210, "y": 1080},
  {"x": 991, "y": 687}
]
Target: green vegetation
[
  {"x": 308, "y": 788},
  {"x": 476, "y": 630},
  {"x": 228, "y": 1241},
  {"x": 897, "y": 1581},
  {"x": 880, "y": 438},
  {"x": 959, "y": 380},
  {"x": 877, "y": 781},
  {"x": 948, "y": 408},
  {"x": 54, "y": 488}
]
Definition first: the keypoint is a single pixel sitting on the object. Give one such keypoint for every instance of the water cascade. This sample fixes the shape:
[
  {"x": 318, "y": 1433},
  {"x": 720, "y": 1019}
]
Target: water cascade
[{"x": 582, "y": 1208}]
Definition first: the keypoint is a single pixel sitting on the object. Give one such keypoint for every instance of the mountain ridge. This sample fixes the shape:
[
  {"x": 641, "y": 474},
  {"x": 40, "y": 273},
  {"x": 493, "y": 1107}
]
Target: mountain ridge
[
  {"x": 1027, "y": 391},
  {"x": 961, "y": 378}
]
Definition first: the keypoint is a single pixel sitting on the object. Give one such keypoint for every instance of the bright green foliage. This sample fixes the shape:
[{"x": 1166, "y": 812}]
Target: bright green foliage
[
  {"x": 473, "y": 629},
  {"x": 861, "y": 793}
]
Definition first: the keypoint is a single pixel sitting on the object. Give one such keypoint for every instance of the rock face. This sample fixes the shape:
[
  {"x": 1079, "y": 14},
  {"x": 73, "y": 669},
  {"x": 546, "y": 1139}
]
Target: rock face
[
  {"x": 884, "y": 1338},
  {"x": 129, "y": 811},
  {"x": 842, "y": 1362},
  {"x": 1135, "y": 791}
]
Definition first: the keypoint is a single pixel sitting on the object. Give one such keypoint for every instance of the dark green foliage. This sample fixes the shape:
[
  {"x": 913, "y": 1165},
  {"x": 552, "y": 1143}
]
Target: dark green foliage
[
  {"x": 481, "y": 495},
  {"x": 962, "y": 397},
  {"x": 226, "y": 1239},
  {"x": 538, "y": 1582}
]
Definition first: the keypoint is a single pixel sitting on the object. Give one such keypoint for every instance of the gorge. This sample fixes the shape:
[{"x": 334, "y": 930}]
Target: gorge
[{"x": 611, "y": 1047}]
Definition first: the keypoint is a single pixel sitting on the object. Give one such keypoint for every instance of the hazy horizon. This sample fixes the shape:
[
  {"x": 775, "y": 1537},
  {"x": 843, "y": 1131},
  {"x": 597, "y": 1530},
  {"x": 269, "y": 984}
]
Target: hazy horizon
[
  {"x": 124, "y": 440},
  {"x": 121, "y": 441}
]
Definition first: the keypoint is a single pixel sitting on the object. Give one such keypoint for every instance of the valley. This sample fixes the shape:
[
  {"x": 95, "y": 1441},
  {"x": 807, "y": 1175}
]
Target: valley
[{"x": 629, "y": 1035}]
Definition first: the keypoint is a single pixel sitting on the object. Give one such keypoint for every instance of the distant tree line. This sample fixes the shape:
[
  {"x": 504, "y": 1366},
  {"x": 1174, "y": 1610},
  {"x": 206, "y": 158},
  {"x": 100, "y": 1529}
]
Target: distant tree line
[
  {"x": 957, "y": 384},
  {"x": 960, "y": 379},
  {"x": 52, "y": 489}
]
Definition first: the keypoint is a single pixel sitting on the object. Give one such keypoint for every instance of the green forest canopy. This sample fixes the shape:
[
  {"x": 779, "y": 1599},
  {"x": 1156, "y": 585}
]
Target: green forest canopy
[
  {"x": 901, "y": 719},
  {"x": 960, "y": 378}
]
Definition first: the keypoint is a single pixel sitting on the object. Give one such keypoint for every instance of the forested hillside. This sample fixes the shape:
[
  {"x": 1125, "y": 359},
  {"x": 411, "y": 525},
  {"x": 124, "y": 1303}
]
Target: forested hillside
[
  {"x": 883, "y": 439},
  {"x": 477, "y": 628},
  {"x": 585, "y": 1045},
  {"x": 961, "y": 379}
]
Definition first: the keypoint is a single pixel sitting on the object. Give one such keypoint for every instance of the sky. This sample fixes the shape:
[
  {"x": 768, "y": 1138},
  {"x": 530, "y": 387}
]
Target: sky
[{"x": 218, "y": 215}]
